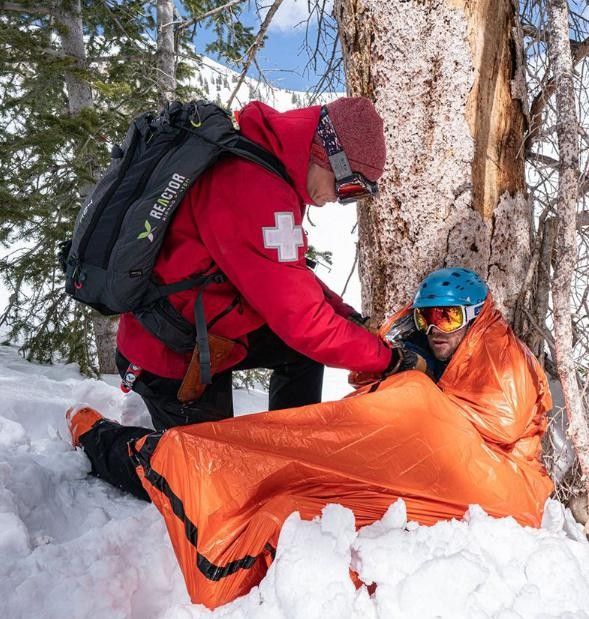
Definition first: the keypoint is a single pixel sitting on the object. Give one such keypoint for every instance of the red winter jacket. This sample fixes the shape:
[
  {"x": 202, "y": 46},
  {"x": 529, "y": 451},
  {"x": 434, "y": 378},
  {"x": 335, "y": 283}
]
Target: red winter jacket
[{"x": 246, "y": 221}]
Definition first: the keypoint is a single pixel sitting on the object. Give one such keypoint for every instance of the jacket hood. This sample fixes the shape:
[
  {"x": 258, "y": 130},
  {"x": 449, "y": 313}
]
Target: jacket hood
[
  {"x": 288, "y": 135},
  {"x": 499, "y": 384}
]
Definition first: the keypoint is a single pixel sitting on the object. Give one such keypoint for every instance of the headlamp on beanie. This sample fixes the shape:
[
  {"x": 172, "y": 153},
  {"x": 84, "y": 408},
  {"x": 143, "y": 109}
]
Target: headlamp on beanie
[{"x": 349, "y": 186}]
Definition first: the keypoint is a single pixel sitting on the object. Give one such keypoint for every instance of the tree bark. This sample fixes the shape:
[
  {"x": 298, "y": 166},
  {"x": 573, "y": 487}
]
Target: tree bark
[
  {"x": 79, "y": 94},
  {"x": 566, "y": 246},
  {"x": 446, "y": 77},
  {"x": 105, "y": 337},
  {"x": 78, "y": 89},
  {"x": 166, "y": 51}
]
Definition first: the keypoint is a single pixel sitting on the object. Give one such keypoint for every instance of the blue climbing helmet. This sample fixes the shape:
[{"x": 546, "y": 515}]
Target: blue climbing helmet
[{"x": 447, "y": 287}]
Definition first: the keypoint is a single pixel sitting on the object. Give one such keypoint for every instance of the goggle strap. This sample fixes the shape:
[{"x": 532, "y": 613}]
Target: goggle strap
[
  {"x": 340, "y": 165},
  {"x": 472, "y": 311},
  {"x": 333, "y": 147}
]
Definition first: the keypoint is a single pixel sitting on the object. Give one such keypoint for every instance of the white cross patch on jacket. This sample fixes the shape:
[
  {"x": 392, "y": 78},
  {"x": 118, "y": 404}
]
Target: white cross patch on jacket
[{"x": 285, "y": 237}]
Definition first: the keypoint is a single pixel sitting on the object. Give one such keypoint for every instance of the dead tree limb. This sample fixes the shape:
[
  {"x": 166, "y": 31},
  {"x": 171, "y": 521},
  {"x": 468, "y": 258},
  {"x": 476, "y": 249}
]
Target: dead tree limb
[
  {"x": 561, "y": 60},
  {"x": 253, "y": 49}
]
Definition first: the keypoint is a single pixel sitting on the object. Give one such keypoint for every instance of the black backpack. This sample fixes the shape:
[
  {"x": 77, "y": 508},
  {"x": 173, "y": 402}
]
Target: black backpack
[{"x": 118, "y": 233}]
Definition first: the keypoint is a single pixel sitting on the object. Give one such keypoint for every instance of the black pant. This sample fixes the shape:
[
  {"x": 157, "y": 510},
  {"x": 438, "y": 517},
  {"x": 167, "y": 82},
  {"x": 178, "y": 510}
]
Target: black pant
[
  {"x": 296, "y": 381},
  {"x": 106, "y": 445}
]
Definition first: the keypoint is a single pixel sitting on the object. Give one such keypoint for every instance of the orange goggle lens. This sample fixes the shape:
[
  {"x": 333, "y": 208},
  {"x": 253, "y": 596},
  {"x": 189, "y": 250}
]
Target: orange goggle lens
[
  {"x": 446, "y": 319},
  {"x": 354, "y": 188}
]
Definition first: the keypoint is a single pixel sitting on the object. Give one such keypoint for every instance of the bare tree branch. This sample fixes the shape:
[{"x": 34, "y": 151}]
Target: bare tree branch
[
  {"x": 582, "y": 219},
  {"x": 580, "y": 51},
  {"x": 531, "y": 31},
  {"x": 543, "y": 159},
  {"x": 253, "y": 50},
  {"x": 542, "y": 331},
  {"x": 351, "y": 271}
]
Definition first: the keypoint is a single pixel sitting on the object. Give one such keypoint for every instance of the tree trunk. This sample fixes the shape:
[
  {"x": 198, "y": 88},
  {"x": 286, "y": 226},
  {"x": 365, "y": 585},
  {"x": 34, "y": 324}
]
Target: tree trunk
[
  {"x": 79, "y": 94},
  {"x": 566, "y": 244},
  {"x": 105, "y": 336},
  {"x": 166, "y": 51},
  {"x": 446, "y": 77},
  {"x": 79, "y": 91}
]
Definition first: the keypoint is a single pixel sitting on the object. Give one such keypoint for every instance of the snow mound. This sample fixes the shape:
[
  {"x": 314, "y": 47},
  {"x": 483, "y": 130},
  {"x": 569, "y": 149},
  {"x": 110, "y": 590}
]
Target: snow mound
[{"x": 72, "y": 546}]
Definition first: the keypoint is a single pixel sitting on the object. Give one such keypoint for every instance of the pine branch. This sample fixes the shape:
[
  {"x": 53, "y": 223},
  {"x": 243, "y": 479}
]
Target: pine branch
[
  {"x": 121, "y": 28},
  {"x": 253, "y": 50},
  {"x": 183, "y": 24}
]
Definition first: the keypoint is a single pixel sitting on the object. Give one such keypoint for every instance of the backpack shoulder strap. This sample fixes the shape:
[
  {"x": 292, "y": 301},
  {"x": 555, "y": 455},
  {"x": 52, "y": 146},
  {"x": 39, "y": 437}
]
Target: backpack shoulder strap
[{"x": 245, "y": 148}]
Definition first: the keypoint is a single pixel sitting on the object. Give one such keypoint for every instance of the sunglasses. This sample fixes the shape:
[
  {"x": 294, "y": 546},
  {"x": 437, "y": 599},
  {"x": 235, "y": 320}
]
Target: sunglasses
[
  {"x": 446, "y": 319},
  {"x": 349, "y": 186}
]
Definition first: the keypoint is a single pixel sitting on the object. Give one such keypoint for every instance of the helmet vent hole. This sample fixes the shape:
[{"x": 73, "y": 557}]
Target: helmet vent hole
[{"x": 445, "y": 283}]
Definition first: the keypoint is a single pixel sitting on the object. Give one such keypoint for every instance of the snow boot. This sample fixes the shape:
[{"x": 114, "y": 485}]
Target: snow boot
[{"x": 80, "y": 421}]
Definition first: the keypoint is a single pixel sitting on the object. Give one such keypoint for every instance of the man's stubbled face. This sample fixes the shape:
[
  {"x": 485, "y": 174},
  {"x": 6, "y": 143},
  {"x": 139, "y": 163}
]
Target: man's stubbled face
[{"x": 444, "y": 345}]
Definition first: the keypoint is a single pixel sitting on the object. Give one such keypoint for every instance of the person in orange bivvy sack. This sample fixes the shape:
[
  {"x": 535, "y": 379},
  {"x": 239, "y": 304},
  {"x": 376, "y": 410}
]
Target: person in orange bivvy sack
[{"x": 458, "y": 422}]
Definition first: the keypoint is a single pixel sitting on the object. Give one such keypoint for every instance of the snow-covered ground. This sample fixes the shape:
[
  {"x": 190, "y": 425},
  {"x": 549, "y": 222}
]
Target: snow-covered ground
[{"x": 72, "y": 546}]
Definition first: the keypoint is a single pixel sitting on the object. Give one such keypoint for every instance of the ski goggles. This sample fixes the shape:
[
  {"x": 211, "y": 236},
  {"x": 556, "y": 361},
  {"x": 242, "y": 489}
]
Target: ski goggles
[
  {"x": 349, "y": 186},
  {"x": 354, "y": 188},
  {"x": 446, "y": 319}
]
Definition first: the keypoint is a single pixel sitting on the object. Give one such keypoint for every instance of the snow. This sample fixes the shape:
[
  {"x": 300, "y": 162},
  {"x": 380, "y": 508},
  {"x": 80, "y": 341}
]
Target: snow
[{"x": 72, "y": 546}]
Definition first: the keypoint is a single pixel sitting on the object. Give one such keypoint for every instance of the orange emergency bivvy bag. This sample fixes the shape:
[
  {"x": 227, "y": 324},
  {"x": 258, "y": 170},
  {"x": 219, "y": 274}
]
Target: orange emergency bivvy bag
[{"x": 225, "y": 488}]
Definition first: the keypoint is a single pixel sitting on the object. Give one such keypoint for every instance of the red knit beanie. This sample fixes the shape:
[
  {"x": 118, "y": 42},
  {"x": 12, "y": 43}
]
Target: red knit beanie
[{"x": 360, "y": 131}]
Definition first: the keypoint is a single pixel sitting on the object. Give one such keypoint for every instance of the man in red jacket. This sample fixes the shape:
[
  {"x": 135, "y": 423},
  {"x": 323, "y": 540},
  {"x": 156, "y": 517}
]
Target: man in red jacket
[{"x": 245, "y": 222}]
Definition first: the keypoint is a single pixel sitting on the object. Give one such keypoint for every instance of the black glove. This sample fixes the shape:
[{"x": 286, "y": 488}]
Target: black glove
[
  {"x": 410, "y": 360},
  {"x": 358, "y": 319},
  {"x": 363, "y": 321},
  {"x": 402, "y": 359},
  {"x": 358, "y": 379}
]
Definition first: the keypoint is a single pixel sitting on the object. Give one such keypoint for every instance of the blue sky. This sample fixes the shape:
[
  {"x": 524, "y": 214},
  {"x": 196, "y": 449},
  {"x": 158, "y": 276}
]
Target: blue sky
[{"x": 283, "y": 58}]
